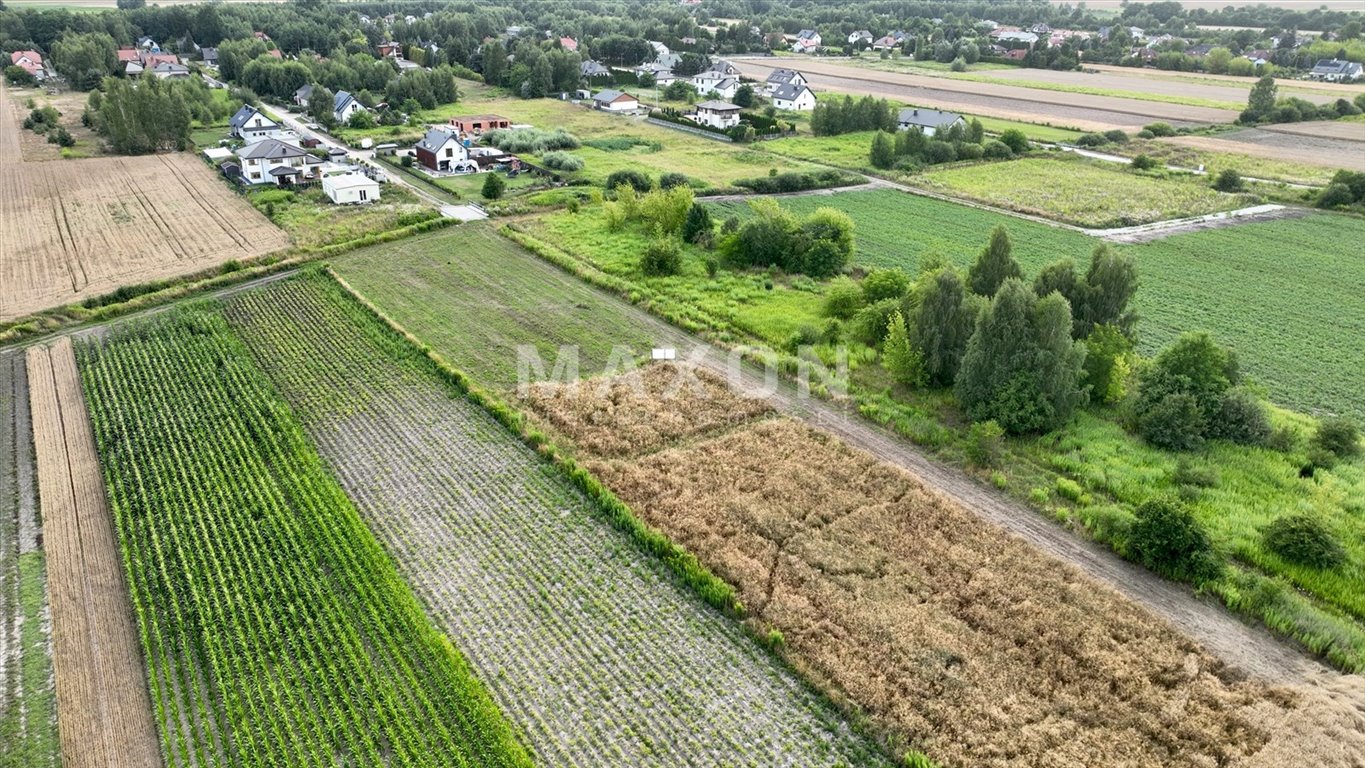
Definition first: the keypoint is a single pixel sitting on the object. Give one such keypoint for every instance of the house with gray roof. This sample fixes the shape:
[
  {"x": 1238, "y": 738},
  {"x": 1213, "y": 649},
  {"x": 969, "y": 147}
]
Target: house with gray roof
[
  {"x": 270, "y": 161},
  {"x": 1335, "y": 71},
  {"x": 930, "y": 121}
]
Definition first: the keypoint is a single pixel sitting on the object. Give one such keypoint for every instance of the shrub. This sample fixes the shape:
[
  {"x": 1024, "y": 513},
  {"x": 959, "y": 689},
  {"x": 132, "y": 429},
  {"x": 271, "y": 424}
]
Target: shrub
[
  {"x": 673, "y": 179},
  {"x": 1335, "y": 196},
  {"x": 959, "y": 64},
  {"x": 1305, "y": 540},
  {"x": 996, "y": 150},
  {"x": 869, "y": 323},
  {"x": 843, "y": 299},
  {"x": 1194, "y": 475},
  {"x": 1283, "y": 439},
  {"x": 939, "y": 152},
  {"x": 1092, "y": 140},
  {"x": 1116, "y": 136},
  {"x": 1160, "y": 130},
  {"x": 493, "y": 187},
  {"x": 1228, "y": 180},
  {"x": 1338, "y": 436},
  {"x": 1175, "y": 422},
  {"x": 1144, "y": 163},
  {"x": 1015, "y": 140},
  {"x": 406, "y": 162},
  {"x": 1241, "y": 419},
  {"x": 1069, "y": 489},
  {"x": 530, "y": 140},
  {"x": 562, "y": 161},
  {"x": 985, "y": 442},
  {"x": 969, "y": 151},
  {"x": 629, "y": 177},
  {"x": 697, "y": 223},
  {"x": 1168, "y": 539},
  {"x": 885, "y": 284},
  {"x": 662, "y": 257},
  {"x": 1145, "y": 134}
]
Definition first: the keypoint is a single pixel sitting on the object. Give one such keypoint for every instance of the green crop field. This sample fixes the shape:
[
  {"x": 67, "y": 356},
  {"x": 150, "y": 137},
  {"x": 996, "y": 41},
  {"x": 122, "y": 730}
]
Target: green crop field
[
  {"x": 1285, "y": 294},
  {"x": 275, "y": 629},
  {"x": 594, "y": 649},
  {"x": 1082, "y": 192}
]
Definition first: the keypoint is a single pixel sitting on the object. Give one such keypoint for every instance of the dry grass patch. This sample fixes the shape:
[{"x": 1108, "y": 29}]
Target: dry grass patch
[{"x": 644, "y": 410}]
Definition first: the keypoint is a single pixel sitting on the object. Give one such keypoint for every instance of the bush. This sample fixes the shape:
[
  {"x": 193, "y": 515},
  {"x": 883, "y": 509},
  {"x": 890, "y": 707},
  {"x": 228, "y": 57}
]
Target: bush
[
  {"x": 1187, "y": 473},
  {"x": 1175, "y": 423},
  {"x": 869, "y": 323},
  {"x": 493, "y": 187},
  {"x": 996, "y": 150},
  {"x": 1116, "y": 136},
  {"x": 662, "y": 257},
  {"x": 1092, "y": 140},
  {"x": 1015, "y": 140},
  {"x": 1241, "y": 419},
  {"x": 969, "y": 151},
  {"x": 1160, "y": 130},
  {"x": 630, "y": 177},
  {"x": 843, "y": 299},
  {"x": 1338, "y": 436},
  {"x": 1283, "y": 440},
  {"x": 530, "y": 140},
  {"x": 885, "y": 284},
  {"x": 697, "y": 223},
  {"x": 1305, "y": 540},
  {"x": 985, "y": 442},
  {"x": 562, "y": 161},
  {"x": 1335, "y": 196},
  {"x": 1168, "y": 539},
  {"x": 1145, "y": 134},
  {"x": 1228, "y": 181},
  {"x": 937, "y": 152},
  {"x": 673, "y": 179},
  {"x": 1144, "y": 163},
  {"x": 797, "y": 181}
]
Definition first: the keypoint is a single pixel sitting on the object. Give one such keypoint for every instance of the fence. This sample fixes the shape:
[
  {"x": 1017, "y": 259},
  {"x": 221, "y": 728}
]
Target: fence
[{"x": 689, "y": 129}]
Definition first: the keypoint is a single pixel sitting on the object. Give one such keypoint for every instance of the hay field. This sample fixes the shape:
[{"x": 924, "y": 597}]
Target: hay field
[
  {"x": 945, "y": 630},
  {"x": 74, "y": 230},
  {"x": 104, "y": 712}
]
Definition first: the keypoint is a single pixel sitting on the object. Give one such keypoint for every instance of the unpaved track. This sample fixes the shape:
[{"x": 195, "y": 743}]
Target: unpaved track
[
  {"x": 10, "y": 151},
  {"x": 988, "y": 99},
  {"x": 103, "y": 708},
  {"x": 1253, "y": 649}
]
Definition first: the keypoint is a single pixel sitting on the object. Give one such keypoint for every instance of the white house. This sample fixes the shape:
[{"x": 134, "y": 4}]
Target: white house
[
  {"x": 862, "y": 34},
  {"x": 344, "y": 105},
  {"x": 613, "y": 100},
  {"x": 303, "y": 94},
  {"x": 252, "y": 125},
  {"x": 350, "y": 188},
  {"x": 715, "y": 83},
  {"x": 795, "y": 98},
  {"x": 930, "y": 121},
  {"x": 807, "y": 40},
  {"x": 29, "y": 61},
  {"x": 717, "y": 114},
  {"x": 441, "y": 150},
  {"x": 780, "y": 77},
  {"x": 168, "y": 71},
  {"x": 273, "y": 162},
  {"x": 1336, "y": 71}
]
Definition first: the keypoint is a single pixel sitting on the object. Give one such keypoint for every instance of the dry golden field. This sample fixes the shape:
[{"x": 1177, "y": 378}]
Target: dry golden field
[
  {"x": 104, "y": 712},
  {"x": 949, "y": 633}
]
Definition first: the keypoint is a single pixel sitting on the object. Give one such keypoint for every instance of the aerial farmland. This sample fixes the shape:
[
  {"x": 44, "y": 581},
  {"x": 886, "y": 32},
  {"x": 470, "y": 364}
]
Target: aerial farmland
[{"x": 651, "y": 384}]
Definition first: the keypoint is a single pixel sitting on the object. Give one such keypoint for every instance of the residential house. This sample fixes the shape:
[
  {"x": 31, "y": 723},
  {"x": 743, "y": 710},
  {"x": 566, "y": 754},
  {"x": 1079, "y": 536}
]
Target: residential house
[
  {"x": 128, "y": 55},
  {"x": 893, "y": 39},
  {"x": 792, "y": 97},
  {"x": 930, "y": 121},
  {"x": 668, "y": 60},
  {"x": 1014, "y": 38},
  {"x": 344, "y": 105},
  {"x": 29, "y": 61},
  {"x": 659, "y": 48},
  {"x": 350, "y": 188},
  {"x": 1259, "y": 57},
  {"x": 780, "y": 77},
  {"x": 210, "y": 56},
  {"x": 717, "y": 114},
  {"x": 132, "y": 69},
  {"x": 715, "y": 83},
  {"x": 406, "y": 65},
  {"x": 145, "y": 43},
  {"x": 590, "y": 69},
  {"x": 860, "y": 35},
  {"x": 1335, "y": 71},
  {"x": 724, "y": 67},
  {"x": 151, "y": 60},
  {"x": 1135, "y": 33},
  {"x": 251, "y": 125},
  {"x": 568, "y": 44},
  {"x": 274, "y": 162},
  {"x": 477, "y": 124},
  {"x": 1198, "y": 51},
  {"x": 390, "y": 50},
  {"x": 613, "y": 100},
  {"x": 807, "y": 41},
  {"x": 303, "y": 94},
  {"x": 168, "y": 71},
  {"x": 441, "y": 150}
]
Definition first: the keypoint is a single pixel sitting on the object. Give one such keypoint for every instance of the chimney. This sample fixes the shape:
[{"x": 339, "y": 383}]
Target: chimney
[{"x": 916, "y": 110}]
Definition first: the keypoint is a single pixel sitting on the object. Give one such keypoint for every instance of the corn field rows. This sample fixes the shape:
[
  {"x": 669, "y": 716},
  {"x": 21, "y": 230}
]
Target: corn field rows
[
  {"x": 275, "y": 630},
  {"x": 593, "y": 649}
]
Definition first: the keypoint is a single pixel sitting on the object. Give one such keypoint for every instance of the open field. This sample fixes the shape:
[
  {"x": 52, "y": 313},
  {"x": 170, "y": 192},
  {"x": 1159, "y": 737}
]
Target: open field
[
  {"x": 1284, "y": 146},
  {"x": 1080, "y": 192},
  {"x": 1011, "y": 102},
  {"x": 70, "y": 104},
  {"x": 28, "y": 705},
  {"x": 1117, "y": 82},
  {"x": 275, "y": 628},
  {"x": 75, "y": 230},
  {"x": 1181, "y": 155},
  {"x": 104, "y": 713},
  {"x": 593, "y": 648},
  {"x": 937, "y": 625},
  {"x": 311, "y": 220},
  {"x": 1289, "y": 87}
]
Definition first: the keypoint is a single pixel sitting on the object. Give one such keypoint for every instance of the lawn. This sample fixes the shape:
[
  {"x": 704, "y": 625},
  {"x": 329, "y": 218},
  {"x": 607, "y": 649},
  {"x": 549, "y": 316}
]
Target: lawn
[
  {"x": 1082, "y": 192},
  {"x": 1181, "y": 156},
  {"x": 312, "y": 220}
]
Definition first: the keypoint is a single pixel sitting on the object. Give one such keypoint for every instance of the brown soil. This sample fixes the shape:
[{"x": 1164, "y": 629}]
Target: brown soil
[
  {"x": 103, "y": 709},
  {"x": 1280, "y": 145}
]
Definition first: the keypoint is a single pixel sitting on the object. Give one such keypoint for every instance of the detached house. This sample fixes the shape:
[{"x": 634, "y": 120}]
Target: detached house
[
  {"x": 29, "y": 61},
  {"x": 251, "y": 125},
  {"x": 613, "y": 100},
  {"x": 862, "y": 34},
  {"x": 717, "y": 83},
  {"x": 344, "y": 105},
  {"x": 568, "y": 44},
  {"x": 209, "y": 56},
  {"x": 477, "y": 124},
  {"x": 590, "y": 69},
  {"x": 889, "y": 41},
  {"x": 930, "y": 121},
  {"x": 717, "y": 114},
  {"x": 780, "y": 77},
  {"x": 796, "y": 98},
  {"x": 303, "y": 94},
  {"x": 807, "y": 40},
  {"x": 441, "y": 150},
  {"x": 273, "y": 162},
  {"x": 1335, "y": 71},
  {"x": 168, "y": 71}
]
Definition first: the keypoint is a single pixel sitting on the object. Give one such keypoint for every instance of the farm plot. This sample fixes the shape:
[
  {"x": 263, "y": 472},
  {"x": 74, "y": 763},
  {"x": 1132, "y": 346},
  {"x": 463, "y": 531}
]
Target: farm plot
[
  {"x": 28, "y": 712},
  {"x": 75, "y": 230},
  {"x": 939, "y": 626},
  {"x": 594, "y": 649},
  {"x": 1282, "y": 146},
  {"x": 1082, "y": 193},
  {"x": 275, "y": 629},
  {"x": 104, "y": 714}
]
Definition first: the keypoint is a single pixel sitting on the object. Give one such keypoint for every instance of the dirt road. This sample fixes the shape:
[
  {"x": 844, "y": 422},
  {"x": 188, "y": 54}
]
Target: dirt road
[{"x": 1091, "y": 113}]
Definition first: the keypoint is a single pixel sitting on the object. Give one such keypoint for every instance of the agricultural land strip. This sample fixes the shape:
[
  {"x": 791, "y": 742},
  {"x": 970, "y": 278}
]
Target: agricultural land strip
[
  {"x": 28, "y": 705},
  {"x": 935, "y": 624},
  {"x": 595, "y": 650},
  {"x": 276, "y": 630},
  {"x": 1325, "y": 151},
  {"x": 10, "y": 150},
  {"x": 1250, "y": 648},
  {"x": 1004, "y": 101},
  {"x": 1133, "y": 85},
  {"x": 104, "y": 713}
]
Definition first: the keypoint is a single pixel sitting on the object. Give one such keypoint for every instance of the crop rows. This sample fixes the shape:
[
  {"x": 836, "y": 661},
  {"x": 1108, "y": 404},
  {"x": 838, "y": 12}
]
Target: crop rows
[
  {"x": 275, "y": 630},
  {"x": 592, "y": 648}
]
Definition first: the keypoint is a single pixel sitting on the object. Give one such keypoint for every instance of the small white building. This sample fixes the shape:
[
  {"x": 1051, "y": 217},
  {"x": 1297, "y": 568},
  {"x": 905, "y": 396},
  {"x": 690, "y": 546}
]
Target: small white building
[
  {"x": 717, "y": 114},
  {"x": 350, "y": 188},
  {"x": 613, "y": 100},
  {"x": 794, "y": 98},
  {"x": 344, "y": 105},
  {"x": 930, "y": 121}
]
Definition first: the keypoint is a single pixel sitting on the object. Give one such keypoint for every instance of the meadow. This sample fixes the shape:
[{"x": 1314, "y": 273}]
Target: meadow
[{"x": 595, "y": 650}]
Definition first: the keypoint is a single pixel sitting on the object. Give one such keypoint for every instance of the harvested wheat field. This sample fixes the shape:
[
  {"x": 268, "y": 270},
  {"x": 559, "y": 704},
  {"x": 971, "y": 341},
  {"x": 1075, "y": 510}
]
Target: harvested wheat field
[
  {"x": 949, "y": 633},
  {"x": 104, "y": 712},
  {"x": 77, "y": 229}
]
